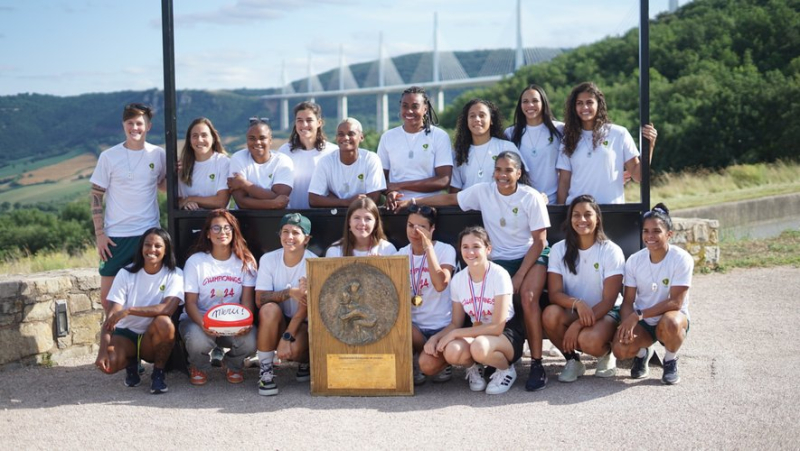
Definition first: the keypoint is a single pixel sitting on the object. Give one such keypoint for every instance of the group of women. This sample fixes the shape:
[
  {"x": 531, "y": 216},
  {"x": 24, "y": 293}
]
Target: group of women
[{"x": 477, "y": 318}]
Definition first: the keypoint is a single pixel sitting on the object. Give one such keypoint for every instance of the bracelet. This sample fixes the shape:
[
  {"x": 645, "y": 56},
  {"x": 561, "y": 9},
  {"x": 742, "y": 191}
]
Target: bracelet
[
  {"x": 414, "y": 201},
  {"x": 573, "y": 304}
]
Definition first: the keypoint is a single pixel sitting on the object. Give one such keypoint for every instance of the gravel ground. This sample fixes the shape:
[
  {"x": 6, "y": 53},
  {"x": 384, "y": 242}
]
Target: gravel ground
[{"x": 738, "y": 390}]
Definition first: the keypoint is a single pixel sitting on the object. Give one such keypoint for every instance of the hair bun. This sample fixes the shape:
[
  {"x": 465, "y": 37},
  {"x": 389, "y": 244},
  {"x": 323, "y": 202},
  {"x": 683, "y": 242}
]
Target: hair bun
[{"x": 661, "y": 208}]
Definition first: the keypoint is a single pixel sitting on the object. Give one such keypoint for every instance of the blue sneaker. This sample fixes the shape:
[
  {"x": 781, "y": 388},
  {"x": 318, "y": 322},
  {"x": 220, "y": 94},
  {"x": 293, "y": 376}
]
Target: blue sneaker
[
  {"x": 132, "y": 378},
  {"x": 670, "y": 376},
  {"x": 158, "y": 386}
]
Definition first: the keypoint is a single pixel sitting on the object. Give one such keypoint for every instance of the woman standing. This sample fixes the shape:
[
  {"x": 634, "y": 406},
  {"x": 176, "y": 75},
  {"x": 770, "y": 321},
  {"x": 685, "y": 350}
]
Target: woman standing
[
  {"x": 656, "y": 300},
  {"x": 363, "y": 233},
  {"x": 595, "y": 153},
  {"x": 584, "y": 283},
  {"x": 142, "y": 299},
  {"x": 516, "y": 218},
  {"x": 431, "y": 264},
  {"x": 307, "y": 144},
  {"x": 416, "y": 157},
  {"x": 483, "y": 291},
  {"x": 222, "y": 270},
  {"x": 538, "y": 136},
  {"x": 479, "y": 140},
  {"x": 203, "y": 181}
]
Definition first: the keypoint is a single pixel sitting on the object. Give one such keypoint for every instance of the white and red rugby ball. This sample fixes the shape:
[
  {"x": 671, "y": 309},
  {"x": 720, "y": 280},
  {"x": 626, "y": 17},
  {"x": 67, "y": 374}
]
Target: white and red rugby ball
[{"x": 228, "y": 319}]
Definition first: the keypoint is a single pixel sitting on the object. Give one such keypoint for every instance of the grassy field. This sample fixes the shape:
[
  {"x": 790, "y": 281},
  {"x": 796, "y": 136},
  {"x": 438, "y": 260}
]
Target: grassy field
[
  {"x": 64, "y": 191},
  {"x": 48, "y": 261},
  {"x": 25, "y": 165},
  {"x": 778, "y": 251}
]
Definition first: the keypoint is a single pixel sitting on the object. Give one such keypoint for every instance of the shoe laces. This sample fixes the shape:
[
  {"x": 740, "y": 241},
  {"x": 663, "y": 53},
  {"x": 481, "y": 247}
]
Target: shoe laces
[
  {"x": 500, "y": 374},
  {"x": 266, "y": 374},
  {"x": 473, "y": 373}
]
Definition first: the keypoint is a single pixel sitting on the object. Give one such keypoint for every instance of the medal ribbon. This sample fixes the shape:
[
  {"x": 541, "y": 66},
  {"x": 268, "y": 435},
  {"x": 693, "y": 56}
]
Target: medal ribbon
[
  {"x": 416, "y": 287},
  {"x": 479, "y": 308}
]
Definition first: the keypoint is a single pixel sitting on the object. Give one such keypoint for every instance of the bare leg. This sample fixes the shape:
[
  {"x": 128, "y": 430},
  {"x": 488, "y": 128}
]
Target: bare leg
[{"x": 531, "y": 291}]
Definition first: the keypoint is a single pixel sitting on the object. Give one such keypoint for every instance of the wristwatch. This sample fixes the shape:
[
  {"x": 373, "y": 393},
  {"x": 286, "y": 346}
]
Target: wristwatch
[
  {"x": 288, "y": 337},
  {"x": 639, "y": 313}
]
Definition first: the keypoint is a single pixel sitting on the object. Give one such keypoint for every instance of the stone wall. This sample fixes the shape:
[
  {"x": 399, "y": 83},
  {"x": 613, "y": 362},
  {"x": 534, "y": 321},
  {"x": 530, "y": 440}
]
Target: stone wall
[
  {"x": 27, "y": 316},
  {"x": 700, "y": 237}
]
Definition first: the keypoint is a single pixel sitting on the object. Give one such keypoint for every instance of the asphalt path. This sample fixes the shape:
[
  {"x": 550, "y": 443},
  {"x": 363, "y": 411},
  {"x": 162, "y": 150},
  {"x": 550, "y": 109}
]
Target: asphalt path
[{"x": 738, "y": 390}]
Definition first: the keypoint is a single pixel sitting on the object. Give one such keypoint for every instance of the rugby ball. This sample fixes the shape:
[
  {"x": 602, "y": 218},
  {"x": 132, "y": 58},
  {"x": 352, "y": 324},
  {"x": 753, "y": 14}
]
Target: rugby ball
[{"x": 228, "y": 319}]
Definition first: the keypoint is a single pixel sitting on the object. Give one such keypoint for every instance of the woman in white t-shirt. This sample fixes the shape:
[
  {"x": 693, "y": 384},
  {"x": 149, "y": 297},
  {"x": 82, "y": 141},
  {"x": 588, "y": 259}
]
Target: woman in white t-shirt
[
  {"x": 431, "y": 264},
  {"x": 479, "y": 140},
  {"x": 363, "y": 233},
  {"x": 221, "y": 270},
  {"x": 417, "y": 158},
  {"x": 142, "y": 300},
  {"x": 537, "y": 135},
  {"x": 204, "y": 167},
  {"x": 306, "y": 146},
  {"x": 516, "y": 218},
  {"x": 596, "y": 156},
  {"x": 483, "y": 292},
  {"x": 655, "y": 304},
  {"x": 584, "y": 283},
  {"x": 281, "y": 301}
]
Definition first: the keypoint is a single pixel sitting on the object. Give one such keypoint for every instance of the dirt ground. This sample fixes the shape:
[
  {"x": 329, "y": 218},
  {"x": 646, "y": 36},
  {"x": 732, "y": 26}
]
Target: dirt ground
[{"x": 738, "y": 390}]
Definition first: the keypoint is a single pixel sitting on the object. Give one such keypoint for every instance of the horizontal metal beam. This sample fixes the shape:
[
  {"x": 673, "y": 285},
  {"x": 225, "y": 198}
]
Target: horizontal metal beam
[{"x": 449, "y": 84}]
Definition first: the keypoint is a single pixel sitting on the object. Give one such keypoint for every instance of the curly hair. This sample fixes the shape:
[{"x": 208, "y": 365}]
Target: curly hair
[
  {"x": 521, "y": 121},
  {"x": 294, "y": 137},
  {"x": 187, "y": 153},
  {"x": 572, "y": 121},
  {"x": 464, "y": 135}
]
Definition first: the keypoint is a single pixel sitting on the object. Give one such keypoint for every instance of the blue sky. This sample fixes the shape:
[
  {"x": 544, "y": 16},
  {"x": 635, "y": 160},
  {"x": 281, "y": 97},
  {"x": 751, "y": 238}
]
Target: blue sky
[{"x": 80, "y": 46}]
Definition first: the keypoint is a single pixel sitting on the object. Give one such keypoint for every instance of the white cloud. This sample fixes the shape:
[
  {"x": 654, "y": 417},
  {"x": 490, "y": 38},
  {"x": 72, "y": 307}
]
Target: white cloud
[{"x": 248, "y": 11}]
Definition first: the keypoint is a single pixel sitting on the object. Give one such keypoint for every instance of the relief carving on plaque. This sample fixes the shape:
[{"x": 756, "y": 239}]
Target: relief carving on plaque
[{"x": 358, "y": 304}]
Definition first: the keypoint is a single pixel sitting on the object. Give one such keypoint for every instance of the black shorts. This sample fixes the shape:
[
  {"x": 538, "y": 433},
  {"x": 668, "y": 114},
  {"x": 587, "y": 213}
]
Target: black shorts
[{"x": 516, "y": 335}]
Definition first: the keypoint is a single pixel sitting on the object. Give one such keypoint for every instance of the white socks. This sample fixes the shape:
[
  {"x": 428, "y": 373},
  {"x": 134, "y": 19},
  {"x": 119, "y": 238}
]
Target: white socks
[
  {"x": 668, "y": 355},
  {"x": 641, "y": 354},
  {"x": 265, "y": 357}
]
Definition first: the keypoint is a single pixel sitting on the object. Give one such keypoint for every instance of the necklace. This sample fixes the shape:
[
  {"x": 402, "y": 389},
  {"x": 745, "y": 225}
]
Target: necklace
[
  {"x": 655, "y": 277},
  {"x": 128, "y": 159},
  {"x": 514, "y": 210},
  {"x": 534, "y": 145},
  {"x": 487, "y": 154},
  {"x": 412, "y": 143},
  {"x": 416, "y": 283},
  {"x": 590, "y": 143},
  {"x": 478, "y": 309}
]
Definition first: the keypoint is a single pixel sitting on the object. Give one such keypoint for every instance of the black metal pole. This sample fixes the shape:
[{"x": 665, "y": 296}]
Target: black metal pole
[
  {"x": 644, "y": 98},
  {"x": 170, "y": 112}
]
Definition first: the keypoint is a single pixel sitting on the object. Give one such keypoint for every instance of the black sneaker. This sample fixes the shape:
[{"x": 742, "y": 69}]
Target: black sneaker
[
  {"x": 670, "y": 376},
  {"x": 132, "y": 378},
  {"x": 266, "y": 381},
  {"x": 217, "y": 354},
  {"x": 303, "y": 372},
  {"x": 537, "y": 378},
  {"x": 158, "y": 386},
  {"x": 641, "y": 365}
]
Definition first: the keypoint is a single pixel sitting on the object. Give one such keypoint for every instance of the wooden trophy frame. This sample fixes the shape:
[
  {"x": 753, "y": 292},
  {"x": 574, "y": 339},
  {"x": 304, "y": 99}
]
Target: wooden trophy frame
[{"x": 368, "y": 356}]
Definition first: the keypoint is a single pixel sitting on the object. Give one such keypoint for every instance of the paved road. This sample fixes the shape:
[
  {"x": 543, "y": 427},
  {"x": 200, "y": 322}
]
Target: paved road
[{"x": 739, "y": 390}]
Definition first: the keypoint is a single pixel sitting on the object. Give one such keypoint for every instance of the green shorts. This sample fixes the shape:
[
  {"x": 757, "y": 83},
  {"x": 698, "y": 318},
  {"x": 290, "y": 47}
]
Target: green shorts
[
  {"x": 512, "y": 266},
  {"x": 122, "y": 255},
  {"x": 614, "y": 314},
  {"x": 652, "y": 329},
  {"x": 129, "y": 334}
]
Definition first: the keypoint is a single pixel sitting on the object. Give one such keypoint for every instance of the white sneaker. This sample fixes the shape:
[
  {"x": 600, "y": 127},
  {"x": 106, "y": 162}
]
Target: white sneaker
[
  {"x": 501, "y": 381},
  {"x": 445, "y": 375},
  {"x": 476, "y": 381},
  {"x": 606, "y": 366},
  {"x": 572, "y": 370}
]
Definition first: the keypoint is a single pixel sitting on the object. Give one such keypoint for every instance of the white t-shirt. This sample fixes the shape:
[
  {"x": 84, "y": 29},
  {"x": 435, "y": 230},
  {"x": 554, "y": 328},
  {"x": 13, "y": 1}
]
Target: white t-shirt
[
  {"x": 141, "y": 289},
  {"x": 436, "y": 309},
  {"x": 480, "y": 164},
  {"x": 208, "y": 177},
  {"x": 130, "y": 178},
  {"x": 274, "y": 275},
  {"x": 674, "y": 270},
  {"x": 540, "y": 152},
  {"x": 278, "y": 170},
  {"x": 601, "y": 261},
  {"x": 305, "y": 162},
  {"x": 414, "y": 156},
  {"x": 598, "y": 171},
  {"x": 364, "y": 176},
  {"x": 521, "y": 212},
  {"x": 382, "y": 248},
  {"x": 498, "y": 282},
  {"x": 214, "y": 281}
]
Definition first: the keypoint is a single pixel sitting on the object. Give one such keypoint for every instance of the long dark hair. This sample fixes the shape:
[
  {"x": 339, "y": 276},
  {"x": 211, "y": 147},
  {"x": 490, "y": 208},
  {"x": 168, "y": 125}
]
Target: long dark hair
[
  {"x": 464, "y": 136},
  {"x": 572, "y": 121},
  {"x": 661, "y": 213},
  {"x": 571, "y": 236},
  {"x": 169, "y": 254},
  {"x": 238, "y": 244},
  {"x": 430, "y": 117},
  {"x": 348, "y": 240},
  {"x": 187, "y": 153},
  {"x": 294, "y": 138},
  {"x": 513, "y": 156},
  {"x": 521, "y": 122}
]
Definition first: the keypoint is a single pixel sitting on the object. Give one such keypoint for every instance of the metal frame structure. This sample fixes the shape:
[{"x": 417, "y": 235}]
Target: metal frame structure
[{"x": 622, "y": 222}]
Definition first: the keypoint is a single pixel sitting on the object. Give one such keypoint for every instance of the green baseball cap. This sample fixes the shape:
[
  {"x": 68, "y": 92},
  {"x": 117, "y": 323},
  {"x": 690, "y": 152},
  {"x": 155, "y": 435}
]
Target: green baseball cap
[{"x": 296, "y": 219}]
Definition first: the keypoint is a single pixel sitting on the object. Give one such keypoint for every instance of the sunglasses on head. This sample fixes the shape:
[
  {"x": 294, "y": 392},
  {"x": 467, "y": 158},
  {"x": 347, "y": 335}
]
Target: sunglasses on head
[
  {"x": 259, "y": 120},
  {"x": 422, "y": 209}
]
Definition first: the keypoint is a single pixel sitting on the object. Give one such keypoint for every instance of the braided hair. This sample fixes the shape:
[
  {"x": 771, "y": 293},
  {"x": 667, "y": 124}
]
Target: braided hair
[{"x": 430, "y": 117}]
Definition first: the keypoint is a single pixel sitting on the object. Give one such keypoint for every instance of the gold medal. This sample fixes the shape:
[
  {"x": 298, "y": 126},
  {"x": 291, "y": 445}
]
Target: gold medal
[
  {"x": 477, "y": 323},
  {"x": 416, "y": 301}
]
